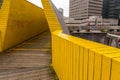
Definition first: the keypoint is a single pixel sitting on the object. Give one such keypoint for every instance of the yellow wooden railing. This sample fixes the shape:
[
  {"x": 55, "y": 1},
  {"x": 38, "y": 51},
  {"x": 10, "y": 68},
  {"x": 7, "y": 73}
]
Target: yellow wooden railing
[
  {"x": 50, "y": 16},
  {"x": 79, "y": 59}
]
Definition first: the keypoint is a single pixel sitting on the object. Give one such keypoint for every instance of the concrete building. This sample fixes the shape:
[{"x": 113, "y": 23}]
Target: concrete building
[
  {"x": 82, "y": 9},
  {"x": 99, "y": 22},
  {"x": 72, "y": 24}
]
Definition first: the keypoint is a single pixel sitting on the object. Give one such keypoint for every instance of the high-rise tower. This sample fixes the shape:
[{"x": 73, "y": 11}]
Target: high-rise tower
[
  {"x": 82, "y": 9},
  {"x": 111, "y": 8}
]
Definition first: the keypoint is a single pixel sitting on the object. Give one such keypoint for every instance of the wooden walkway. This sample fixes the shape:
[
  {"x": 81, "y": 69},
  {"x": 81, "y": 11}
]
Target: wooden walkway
[{"x": 30, "y": 60}]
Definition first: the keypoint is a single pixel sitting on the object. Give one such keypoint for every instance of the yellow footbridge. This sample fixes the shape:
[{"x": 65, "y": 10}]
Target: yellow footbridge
[{"x": 29, "y": 35}]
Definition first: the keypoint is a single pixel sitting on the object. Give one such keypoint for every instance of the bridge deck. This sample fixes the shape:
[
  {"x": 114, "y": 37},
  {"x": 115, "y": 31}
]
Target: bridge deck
[{"x": 29, "y": 61}]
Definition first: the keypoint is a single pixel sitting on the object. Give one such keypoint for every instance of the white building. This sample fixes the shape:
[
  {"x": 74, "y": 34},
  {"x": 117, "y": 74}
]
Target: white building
[{"x": 82, "y": 9}]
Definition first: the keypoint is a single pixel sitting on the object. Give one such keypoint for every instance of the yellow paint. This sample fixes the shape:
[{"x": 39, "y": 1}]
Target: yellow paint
[
  {"x": 98, "y": 61},
  {"x": 115, "y": 73},
  {"x": 4, "y": 13},
  {"x": 107, "y": 65},
  {"x": 87, "y": 62},
  {"x": 72, "y": 58},
  {"x": 50, "y": 16},
  {"x": 79, "y": 59},
  {"x": 19, "y": 21},
  {"x": 81, "y": 63},
  {"x": 91, "y": 65}
]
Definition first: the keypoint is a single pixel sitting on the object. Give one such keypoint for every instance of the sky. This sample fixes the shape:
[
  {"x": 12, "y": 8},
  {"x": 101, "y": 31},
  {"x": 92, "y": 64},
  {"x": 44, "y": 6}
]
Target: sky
[{"x": 58, "y": 3}]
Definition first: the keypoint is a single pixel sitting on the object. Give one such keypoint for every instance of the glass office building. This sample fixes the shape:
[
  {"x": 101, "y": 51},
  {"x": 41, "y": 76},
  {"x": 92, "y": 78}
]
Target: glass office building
[
  {"x": 105, "y": 8},
  {"x": 111, "y": 8}
]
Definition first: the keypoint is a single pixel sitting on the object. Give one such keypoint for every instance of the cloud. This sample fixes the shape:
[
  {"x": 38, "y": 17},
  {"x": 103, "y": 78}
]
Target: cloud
[
  {"x": 62, "y": 4},
  {"x": 36, "y": 2},
  {"x": 58, "y": 3}
]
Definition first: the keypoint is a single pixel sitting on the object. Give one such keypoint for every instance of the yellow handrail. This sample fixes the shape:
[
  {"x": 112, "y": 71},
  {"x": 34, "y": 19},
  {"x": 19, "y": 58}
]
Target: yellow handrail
[
  {"x": 79, "y": 59},
  {"x": 50, "y": 16}
]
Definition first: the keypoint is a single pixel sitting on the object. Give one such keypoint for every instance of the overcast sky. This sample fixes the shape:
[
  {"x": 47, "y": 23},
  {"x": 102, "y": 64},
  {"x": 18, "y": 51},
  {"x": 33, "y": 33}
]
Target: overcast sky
[{"x": 59, "y": 4}]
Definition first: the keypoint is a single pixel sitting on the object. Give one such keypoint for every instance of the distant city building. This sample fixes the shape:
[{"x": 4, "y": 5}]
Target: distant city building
[
  {"x": 76, "y": 25},
  {"x": 82, "y": 9},
  {"x": 61, "y": 11},
  {"x": 99, "y": 22},
  {"x": 111, "y": 9}
]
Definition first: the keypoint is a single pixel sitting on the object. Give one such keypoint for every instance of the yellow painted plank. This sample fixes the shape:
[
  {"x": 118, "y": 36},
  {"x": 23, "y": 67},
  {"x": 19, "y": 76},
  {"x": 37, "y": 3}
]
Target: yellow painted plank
[
  {"x": 107, "y": 65},
  {"x": 93, "y": 60},
  {"x": 81, "y": 66},
  {"x": 85, "y": 64},
  {"x": 115, "y": 73},
  {"x": 91, "y": 65},
  {"x": 97, "y": 67},
  {"x": 76, "y": 61}
]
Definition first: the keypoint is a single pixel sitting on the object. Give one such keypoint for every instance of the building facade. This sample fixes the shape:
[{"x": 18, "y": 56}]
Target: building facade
[
  {"x": 77, "y": 25},
  {"x": 111, "y": 9},
  {"x": 105, "y": 8},
  {"x": 82, "y": 9}
]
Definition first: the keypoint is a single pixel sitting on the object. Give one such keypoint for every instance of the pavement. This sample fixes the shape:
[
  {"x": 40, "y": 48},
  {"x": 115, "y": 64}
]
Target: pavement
[{"x": 29, "y": 60}]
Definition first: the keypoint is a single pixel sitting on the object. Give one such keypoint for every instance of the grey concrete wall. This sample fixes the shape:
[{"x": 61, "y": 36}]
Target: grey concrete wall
[{"x": 97, "y": 37}]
